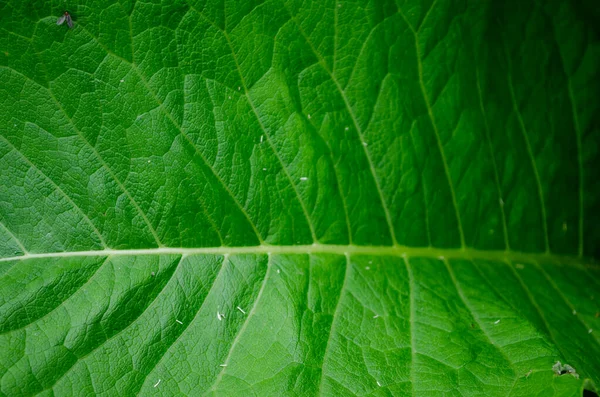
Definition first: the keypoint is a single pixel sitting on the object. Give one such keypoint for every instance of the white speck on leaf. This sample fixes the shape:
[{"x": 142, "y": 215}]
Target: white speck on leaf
[
  {"x": 308, "y": 116},
  {"x": 239, "y": 88},
  {"x": 376, "y": 316},
  {"x": 122, "y": 80},
  {"x": 365, "y": 144},
  {"x": 240, "y": 309},
  {"x": 179, "y": 322},
  {"x": 303, "y": 178},
  {"x": 378, "y": 384},
  {"x": 157, "y": 383},
  {"x": 590, "y": 331},
  {"x": 574, "y": 312},
  {"x": 441, "y": 257},
  {"x": 346, "y": 129},
  {"x": 497, "y": 322},
  {"x": 264, "y": 169},
  {"x": 223, "y": 365},
  {"x": 557, "y": 368},
  {"x": 368, "y": 268},
  {"x": 220, "y": 315},
  {"x": 278, "y": 271},
  {"x": 229, "y": 96}
]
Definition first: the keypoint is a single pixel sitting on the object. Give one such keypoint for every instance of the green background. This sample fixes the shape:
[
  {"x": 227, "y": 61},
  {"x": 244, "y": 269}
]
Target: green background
[{"x": 299, "y": 198}]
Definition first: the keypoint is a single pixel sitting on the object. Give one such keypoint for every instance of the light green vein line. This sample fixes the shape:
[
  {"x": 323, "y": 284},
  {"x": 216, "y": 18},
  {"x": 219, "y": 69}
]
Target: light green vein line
[
  {"x": 577, "y": 141},
  {"x": 396, "y": 250},
  {"x": 426, "y": 16},
  {"x": 435, "y": 129},
  {"x": 342, "y": 195},
  {"x": 425, "y": 189},
  {"x": 411, "y": 321},
  {"x": 243, "y": 328},
  {"x": 493, "y": 157},
  {"x": 564, "y": 298},
  {"x": 16, "y": 240},
  {"x": 536, "y": 306},
  {"x": 580, "y": 163},
  {"x": 29, "y": 39},
  {"x": 332, "y": 328},
  {"x": 224, "y": 263},
  {"x": 344, "y": 97},
  {"x": 529, "y": 151},
  {"x": 361, "y": 51},
  {"x": 465, "y": 301},
  {"x": 58, "y": 188},
  {"x": 336, "y": 6}
]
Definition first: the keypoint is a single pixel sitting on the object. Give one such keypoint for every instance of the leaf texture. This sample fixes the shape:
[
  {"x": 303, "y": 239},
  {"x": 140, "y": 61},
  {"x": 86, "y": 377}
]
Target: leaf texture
[{"x": 299, "y": 198}]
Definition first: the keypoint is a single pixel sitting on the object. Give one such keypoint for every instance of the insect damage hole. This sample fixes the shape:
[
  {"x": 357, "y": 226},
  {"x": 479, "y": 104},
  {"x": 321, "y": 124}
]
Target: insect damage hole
[{"x": 563, "y": 369}]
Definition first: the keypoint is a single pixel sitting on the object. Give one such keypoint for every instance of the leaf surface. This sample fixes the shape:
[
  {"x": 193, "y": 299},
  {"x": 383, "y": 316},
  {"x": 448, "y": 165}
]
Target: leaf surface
[{"x": 299, "y": 198}]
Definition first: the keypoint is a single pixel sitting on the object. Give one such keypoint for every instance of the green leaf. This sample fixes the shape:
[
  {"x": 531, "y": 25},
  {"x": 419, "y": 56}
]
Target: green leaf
[{"x": 299, "y": 198}]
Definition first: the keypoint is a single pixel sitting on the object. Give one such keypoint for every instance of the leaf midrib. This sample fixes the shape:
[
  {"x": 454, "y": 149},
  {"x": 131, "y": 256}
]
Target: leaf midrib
[{"x": 395, "y": 250}]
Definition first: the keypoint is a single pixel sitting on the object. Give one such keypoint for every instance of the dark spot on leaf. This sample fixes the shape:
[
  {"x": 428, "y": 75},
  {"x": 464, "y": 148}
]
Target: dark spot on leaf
[{"x": 589, "y": 393}]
